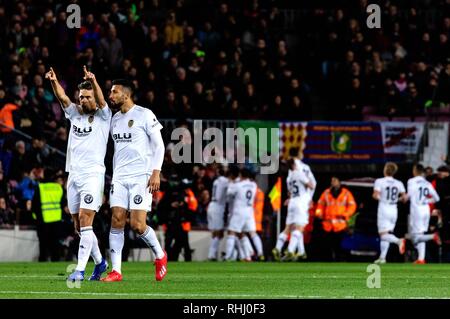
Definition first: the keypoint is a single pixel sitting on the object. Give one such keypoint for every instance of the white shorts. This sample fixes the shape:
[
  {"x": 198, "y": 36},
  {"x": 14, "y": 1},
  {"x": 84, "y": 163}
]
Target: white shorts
[
  {"x": 85, "y": 191},
  {"x": 419, "y": 220},
  {"x": 387, "y": 218},
  {"x": 215, "y": 215},
  {"x": 298, "y": 212},
  {"x": 250, "y": 224},
  {"x": 131, "y": 193},
  {"x": 240, "y": 218}
]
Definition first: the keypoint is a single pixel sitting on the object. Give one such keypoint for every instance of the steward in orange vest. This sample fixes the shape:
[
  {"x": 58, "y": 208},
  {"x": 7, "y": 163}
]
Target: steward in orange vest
[{"x": 335, "y": 207}]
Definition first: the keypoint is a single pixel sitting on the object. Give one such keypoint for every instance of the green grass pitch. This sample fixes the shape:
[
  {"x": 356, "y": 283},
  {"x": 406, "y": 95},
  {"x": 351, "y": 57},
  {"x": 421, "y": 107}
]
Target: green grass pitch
[{"x": 209, "y": 280}]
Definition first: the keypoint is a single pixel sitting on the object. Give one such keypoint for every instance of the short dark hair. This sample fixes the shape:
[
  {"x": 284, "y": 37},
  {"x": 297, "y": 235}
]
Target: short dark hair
[
  {"x": 245, "y": 173},
  {"x": 293, "y": 151},
  {"x": 443, "y": 169},
  {"x": 233, "y": 171},
  {"x": 291, "y": 163},
  {"x": 125, "y": 83},
  {"x": 86, "y": 85},
  {"x": 419, "y": 168}
]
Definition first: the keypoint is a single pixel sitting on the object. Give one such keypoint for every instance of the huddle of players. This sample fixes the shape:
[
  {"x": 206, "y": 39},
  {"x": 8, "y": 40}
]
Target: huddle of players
[
  {"x": 420, "y": 193},
  {"x": 237, "y": 190}
]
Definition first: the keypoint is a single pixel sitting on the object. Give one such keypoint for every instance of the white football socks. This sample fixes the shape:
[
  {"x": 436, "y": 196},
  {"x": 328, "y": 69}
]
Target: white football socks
[
  {"x": 258, "y": 244},
  {"x": 301, "y": 244},
  {"x": 85, "y": 247},
  {"x": 280, "y": 241},
  {"x": 293, "y": 242},
  {"x": 116, "y": 241},
  {"x": 384, "y": 247},
  {"x": 149, "y": 237},
  {"x": 95, "y": 253},
  {"x": 421, "y": 250},
  {"x": 213, "y": 248},
  {"x": 230, "y": 246}
]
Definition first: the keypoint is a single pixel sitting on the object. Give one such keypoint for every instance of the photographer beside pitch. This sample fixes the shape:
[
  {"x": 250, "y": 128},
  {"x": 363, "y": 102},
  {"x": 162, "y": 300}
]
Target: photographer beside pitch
[{"x": 86, "y": 151}]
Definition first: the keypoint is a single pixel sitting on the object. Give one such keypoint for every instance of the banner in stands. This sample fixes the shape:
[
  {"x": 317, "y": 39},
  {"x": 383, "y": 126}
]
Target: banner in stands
[
  {"x": 401, "y": 137},
  {"x": 343, "y": 142},
  {"x": 292, "y": 134}
]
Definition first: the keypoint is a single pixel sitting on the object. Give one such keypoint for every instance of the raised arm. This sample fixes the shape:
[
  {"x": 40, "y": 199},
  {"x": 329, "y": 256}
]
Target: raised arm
[
  {"x": 98, "y": 94},
  {"x": 58, "y": 89}
]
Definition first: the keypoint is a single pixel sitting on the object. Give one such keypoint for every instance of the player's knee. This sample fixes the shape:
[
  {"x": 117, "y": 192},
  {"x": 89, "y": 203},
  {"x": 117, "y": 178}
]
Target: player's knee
[
  {"x": 85, "y": 220},
  {"x": 138, "y": 226},
  {"x": 117, "y": 221}
]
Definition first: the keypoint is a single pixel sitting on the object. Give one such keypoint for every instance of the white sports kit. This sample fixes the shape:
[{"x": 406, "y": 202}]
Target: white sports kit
[
  {"x": 299, "y": 198},
  {"x": 216, "y": 207},
  {"x": 133, "y": 134},
  {"x": 390, "y": 190},
  {"x": 421, "y": 193},
  {"x": 242, "y": 214},
  {"x": 86, "y": 151}
]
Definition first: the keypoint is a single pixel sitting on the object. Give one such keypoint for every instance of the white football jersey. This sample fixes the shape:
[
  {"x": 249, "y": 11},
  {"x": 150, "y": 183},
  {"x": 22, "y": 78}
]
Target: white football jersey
[
  {"x": 296, "y": 183},
  {"x": 88, "y": 138},
  {"x": 131, "y": 132},
  {"x": 242, "y": 193},
  {"x": 309, "y": 174},
  {"x": 390, "y": 190},
  {"x": 421, "y": 192},
  {"x": 219, "y": 190}
]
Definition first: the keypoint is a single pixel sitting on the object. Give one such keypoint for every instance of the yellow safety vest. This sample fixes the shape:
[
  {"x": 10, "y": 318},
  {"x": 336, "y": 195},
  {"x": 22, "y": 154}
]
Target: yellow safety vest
[{"x": 51, "y": 195}]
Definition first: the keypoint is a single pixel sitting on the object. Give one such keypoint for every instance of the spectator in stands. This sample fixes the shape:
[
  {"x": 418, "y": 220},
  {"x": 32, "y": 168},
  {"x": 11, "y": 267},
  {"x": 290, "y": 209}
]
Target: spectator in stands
[
  {"x": 19, "y": 162},
  {"x": 110, "y": 51},
  {"x": 6, "y": 213}
]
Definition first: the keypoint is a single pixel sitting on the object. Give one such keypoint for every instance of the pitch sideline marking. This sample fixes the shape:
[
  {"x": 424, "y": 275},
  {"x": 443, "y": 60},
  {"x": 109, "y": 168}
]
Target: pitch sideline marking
[{"x": 202, "y": 295}]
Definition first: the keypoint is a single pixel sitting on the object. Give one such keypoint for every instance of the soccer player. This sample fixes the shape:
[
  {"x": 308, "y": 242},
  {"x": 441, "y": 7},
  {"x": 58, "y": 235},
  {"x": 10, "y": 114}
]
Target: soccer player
[
  {"x": 86, "y": 151},
  {"x": 297, "y": 218},
  {"x": 420, "y": 194},
  {"x": 299, "y": 165},
  {"x": 138, "y": 157},
  {"x": 215, "y": 212},
  {"x": 243, "y": 194},
  {"x": 387, "y": 191},
  {"x": 249, "y": 230}
]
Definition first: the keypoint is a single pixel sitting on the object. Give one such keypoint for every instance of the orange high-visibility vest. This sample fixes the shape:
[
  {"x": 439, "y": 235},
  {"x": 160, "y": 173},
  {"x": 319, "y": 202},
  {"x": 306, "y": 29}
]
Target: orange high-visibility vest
[
  {"x": 258, "y": 209},
  {"x": 192, "y": 205},
  {"x": 335, "y": 212},
  {"x": 6, "y": 117},
  {"x": 190, "y": 200}
]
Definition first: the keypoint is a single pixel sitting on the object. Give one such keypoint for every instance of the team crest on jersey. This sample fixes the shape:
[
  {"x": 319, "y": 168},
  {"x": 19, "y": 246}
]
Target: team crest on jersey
[
  {"x": 91, "y": 119},
  {"x": 137, "y": 199},
  {"x": 88, "y": 198},
  {"x": 130, "y": 123}
]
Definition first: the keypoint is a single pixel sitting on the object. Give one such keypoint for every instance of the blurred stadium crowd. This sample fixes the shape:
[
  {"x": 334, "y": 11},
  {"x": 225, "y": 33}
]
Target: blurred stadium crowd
[{"x": 256, "y": 59}]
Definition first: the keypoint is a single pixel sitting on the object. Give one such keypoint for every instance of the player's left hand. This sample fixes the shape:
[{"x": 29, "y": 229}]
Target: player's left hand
[
  {"x": 153, "y": 182},
  {"x": 88, "y": 76}
]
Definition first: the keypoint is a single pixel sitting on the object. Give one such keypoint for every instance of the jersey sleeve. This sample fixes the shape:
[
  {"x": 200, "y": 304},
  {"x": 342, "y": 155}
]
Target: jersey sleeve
[
  {"x": 401, "y": 188},
  {"x": 409, "y": 187},
  {"x": 231, "y": 191},
  {"x": 151, "y": 123},
  {"x": 301, "y": 177},
  {"x": 434, "y": 194},
  {"x": 105, "y": 113},
  {"x": 377, "y": 186},
  {"x": 70, "y": 111}
]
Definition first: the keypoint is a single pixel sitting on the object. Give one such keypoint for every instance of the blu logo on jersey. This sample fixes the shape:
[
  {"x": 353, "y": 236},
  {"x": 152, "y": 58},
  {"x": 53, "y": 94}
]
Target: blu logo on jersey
[
  {"x": 78, "y": 131},
  {"x": 122, "y": 137}
]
